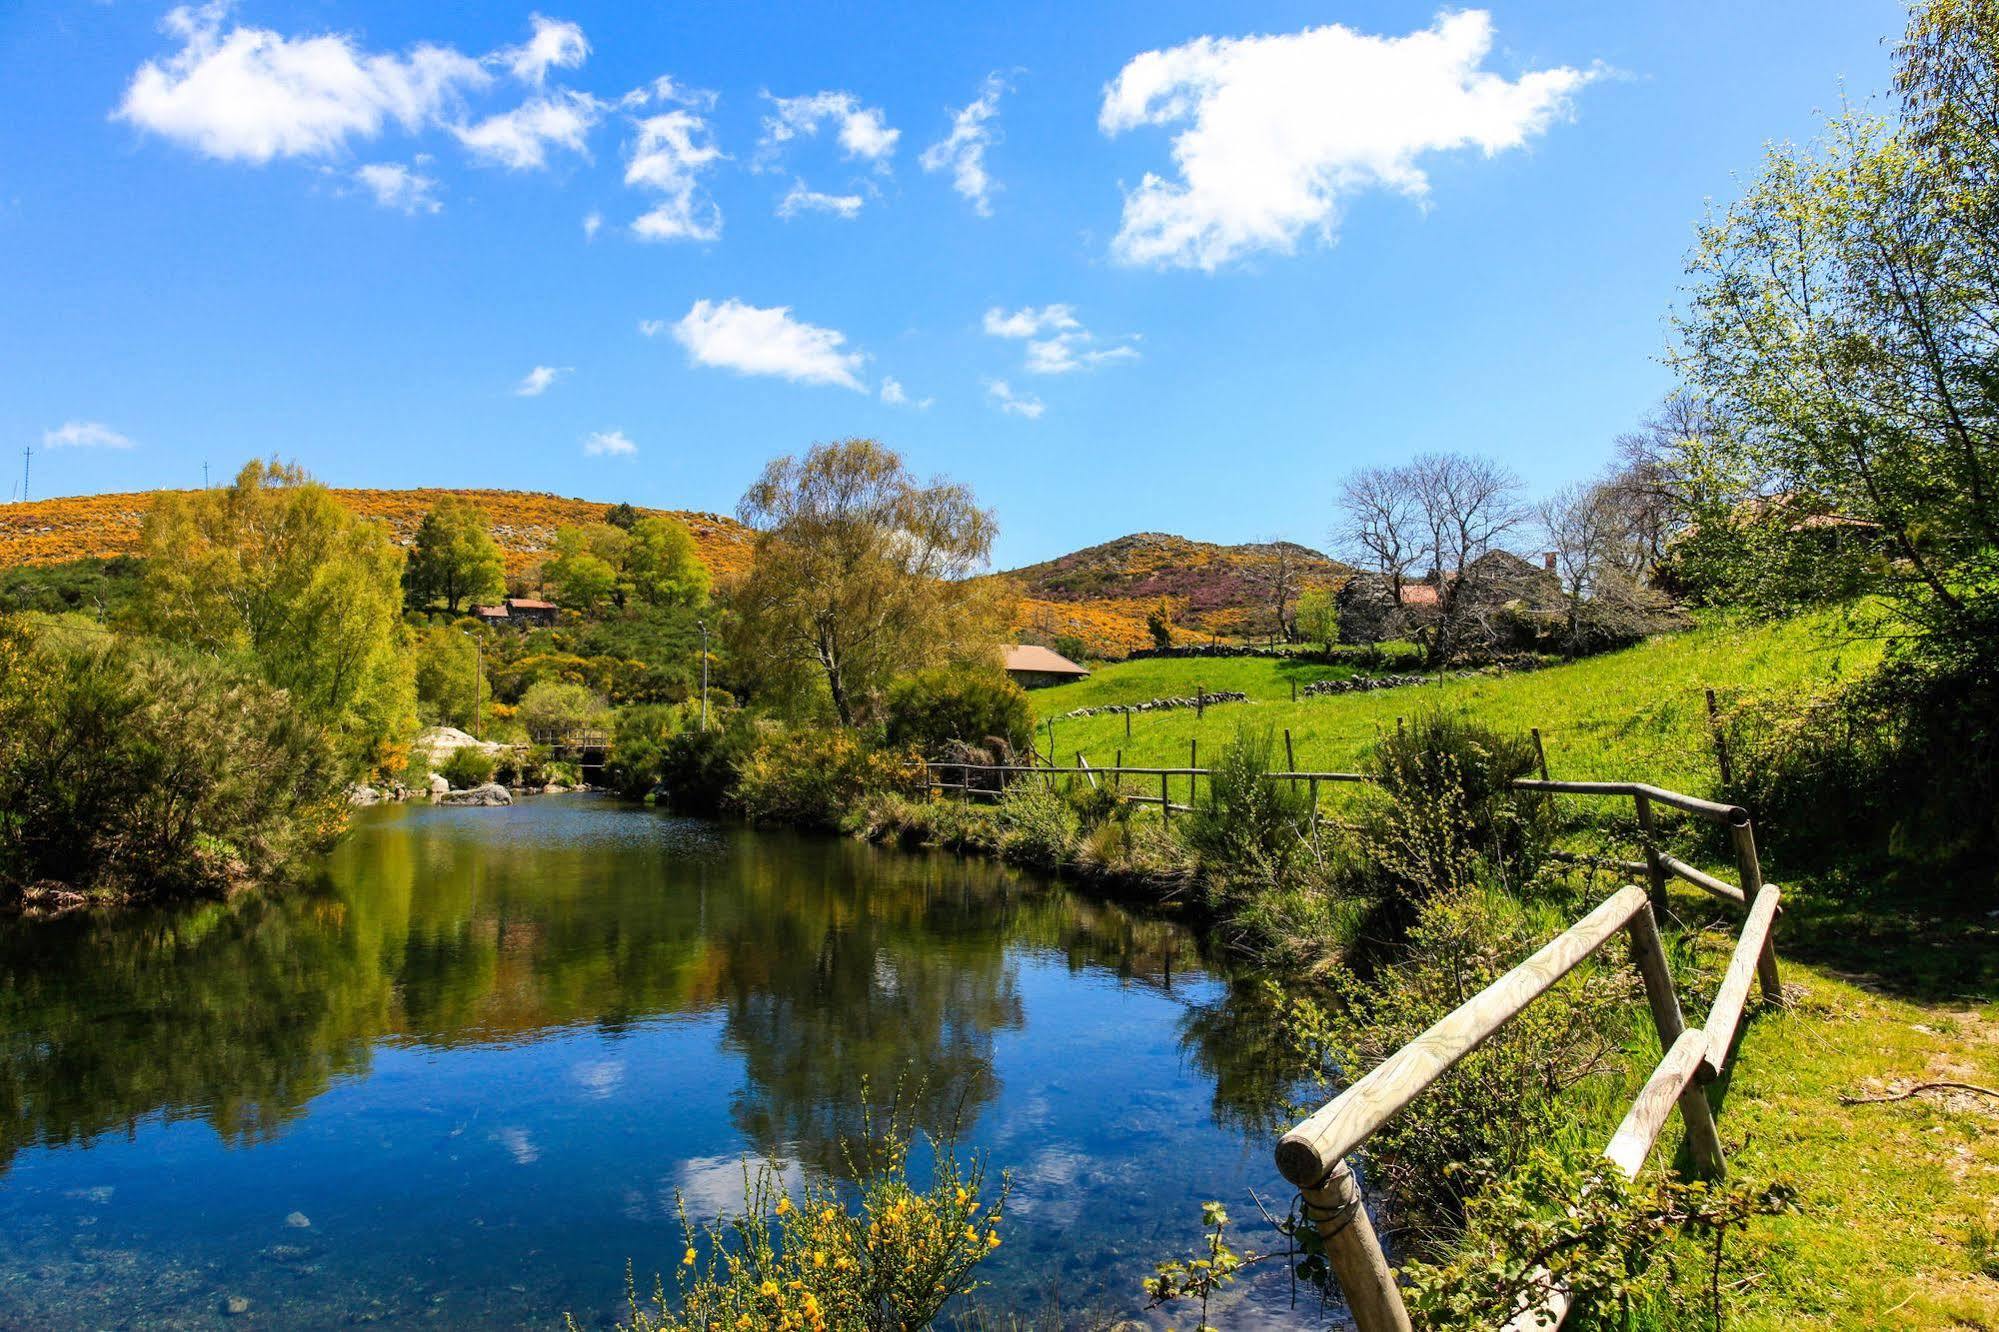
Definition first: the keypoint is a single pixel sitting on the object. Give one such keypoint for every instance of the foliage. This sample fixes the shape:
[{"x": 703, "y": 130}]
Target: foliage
[
  {"x": 272, "y": 573},
  {"x": 810, "y": 776},
  {"x": 583, "y": 574},
  {"x": 1159, "y": 627},
  {"x": 662, "y": 566},
  {"x": 889, "y": 1260},
  {"x": 129, "y": 767},
  {"x": 1203, "y": 1276},
  {"x": 453, "y": 558},
  {"x": 468, "y": 767},
  {"x": 698, "y": 768},
  {"x": 621, "y": 515},
  {"x": 557, "y": 708},
  {"x": 639, "y": 737},
  {"x": 859, "y": 577},
  {"x": 449, "y": 691},
  {"x": 1245, "y": 825},
  {"x": 1840, "y": 323},
  {"x": 1038, "y": 825},
  {"x": 1072, "y": 647},
  {"x": 1458, "y": 775},
  {"x": 1318, "y": 618},
  {"x": 968, "y": 702},
  {"x": 101, "y": 588}
]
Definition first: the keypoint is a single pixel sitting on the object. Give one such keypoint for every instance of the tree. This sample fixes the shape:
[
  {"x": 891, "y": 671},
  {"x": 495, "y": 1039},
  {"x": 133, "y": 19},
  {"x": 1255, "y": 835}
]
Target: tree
[
  {"x": 662, "y": 565},
  {"x": 585, "y": 573},
  {"x": 454, "y": 558},
  {"x": 1275, "y": 577},
  {"x": 860, "y": 575},
  {"x": 1380, "y": 528},
  {"x": 1159, "y": 624},
  {"x": 273, "y": 572},
  {"x": 621, "y": 515},
  {"x": 449, "y": 691},
  {"x": 1318, "y": 619},
  {"x": 1841, "y": 316},
  {"x": 552, "y": 709}
]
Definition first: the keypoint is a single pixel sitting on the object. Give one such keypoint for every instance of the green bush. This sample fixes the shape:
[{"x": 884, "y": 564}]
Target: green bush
[
  {"x": 1443, "y": 753},
  {"x": 810, "y": 778},
  {"x": 640, "y": 735},
  {"x": 1072, "y": 647},
  {"x": 468, "y": 767},
  {"x": 557, "y": 707},
  {"x": 1246, "y": 825},
  {"x": 1038, "y": 825},
  {"x": 697, "y": 769},
  {"x": 130, "y": 768},
  {"x": 964, "y": 703}
]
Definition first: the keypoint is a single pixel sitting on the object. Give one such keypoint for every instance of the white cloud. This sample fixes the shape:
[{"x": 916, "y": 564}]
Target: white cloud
[
  {"x": 895, "y": 395},
  {"x": 1067, "y": 346},
  {"x": 864, "y": 132},
  {"x": 803, "y": 200},
  {"x": 652, "y": 328},
  {"x": 250, "y": 94},
  {"x": 84, "y": 435},
  {"x": 963, "y": 150},
  {"x": 609, "y": 444},
  {"x": 668, "y": 155},
  {"x": 1014, "y": 404},
  {"x": 540, "y": 379},
  {"x": 593, "y": 222},
  {"x": 1281, "y": 130},
  {"x": 556, "y": 43},
  {"x": 520, "y": 139},
  {"x": 754, "y": 341},
  {"x": 397, "y": 186}
]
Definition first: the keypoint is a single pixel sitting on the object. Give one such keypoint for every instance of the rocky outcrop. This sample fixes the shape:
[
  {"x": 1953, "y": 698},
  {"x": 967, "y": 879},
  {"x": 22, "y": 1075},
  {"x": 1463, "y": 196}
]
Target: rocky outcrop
[
  {"x": 492, "y": 793},
  {"x": 363, "y": 795}
]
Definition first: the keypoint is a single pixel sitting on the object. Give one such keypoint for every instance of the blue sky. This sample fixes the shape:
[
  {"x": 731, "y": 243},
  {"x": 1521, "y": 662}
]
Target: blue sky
[{"x": 1163, "y": 266}]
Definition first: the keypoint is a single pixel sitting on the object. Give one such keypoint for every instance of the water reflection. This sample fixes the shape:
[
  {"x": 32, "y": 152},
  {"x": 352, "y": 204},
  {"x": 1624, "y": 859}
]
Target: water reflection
[{"x": 808, "y": 965}]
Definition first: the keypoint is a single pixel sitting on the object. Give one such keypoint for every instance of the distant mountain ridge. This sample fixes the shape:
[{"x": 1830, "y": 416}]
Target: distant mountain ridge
[
  {"x": 1103, "y": 593},
  {"x": 524, "y": 523}
]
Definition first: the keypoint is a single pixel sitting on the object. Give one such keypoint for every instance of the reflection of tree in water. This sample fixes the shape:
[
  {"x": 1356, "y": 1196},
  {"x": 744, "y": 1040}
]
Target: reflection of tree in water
[
  {"x": 830, "y": 962},
  {"x": 237, "y": 1013},
  {"x": 1238, "y": 1042}
]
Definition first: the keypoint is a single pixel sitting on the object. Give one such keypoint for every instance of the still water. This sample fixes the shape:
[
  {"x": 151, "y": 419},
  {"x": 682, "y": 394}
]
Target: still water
[{"x": 460, "y": 1079}]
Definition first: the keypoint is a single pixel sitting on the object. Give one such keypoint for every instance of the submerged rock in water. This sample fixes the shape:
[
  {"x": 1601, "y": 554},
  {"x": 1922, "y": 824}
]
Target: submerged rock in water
[
  {"x": 236, "y": 1306},
  {"x": 299, "y": 1221},
  {"x": 492, "y": 793}
]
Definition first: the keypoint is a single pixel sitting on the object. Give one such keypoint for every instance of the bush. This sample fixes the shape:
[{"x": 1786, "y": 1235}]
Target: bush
[
  {"x": 1038, "y": 826},
  {"x": 468, "y": 767},
  {"x": 126, "y": 767},
  {"x": 697, "y": 769},
  {"x": 556, "y": 707},
  {"x": 1072, "y": 647},
  {"x": 1246, "y": 825},
  {"x": 811, "y": 777},
  {"x": 639, "y": 738},
  {"x": 964, "y": 703},
  {"x": 1465, "y": 771}
]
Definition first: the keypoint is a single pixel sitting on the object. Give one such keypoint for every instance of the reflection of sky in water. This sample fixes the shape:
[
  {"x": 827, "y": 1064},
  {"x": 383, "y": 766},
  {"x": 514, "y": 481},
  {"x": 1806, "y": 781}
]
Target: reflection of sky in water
[{"x": 483, "y": 1062}]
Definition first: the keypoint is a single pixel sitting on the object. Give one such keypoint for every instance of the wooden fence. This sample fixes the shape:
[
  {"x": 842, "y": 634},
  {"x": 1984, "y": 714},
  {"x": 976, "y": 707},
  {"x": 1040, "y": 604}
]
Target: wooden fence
[{"x": 1313, "y": 1155}]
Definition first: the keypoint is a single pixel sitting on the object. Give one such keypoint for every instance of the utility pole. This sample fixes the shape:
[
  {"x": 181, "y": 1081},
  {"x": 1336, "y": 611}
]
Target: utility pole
[
  {"x": 704, "y": 673},
  {"x": 204, "y": 473},
  {"x": 27, "y": 457}
]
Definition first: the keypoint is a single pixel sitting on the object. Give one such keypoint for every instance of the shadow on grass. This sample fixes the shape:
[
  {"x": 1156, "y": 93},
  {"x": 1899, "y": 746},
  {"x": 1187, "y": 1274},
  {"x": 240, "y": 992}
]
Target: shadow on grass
[{"x": 1909, "y": 932}]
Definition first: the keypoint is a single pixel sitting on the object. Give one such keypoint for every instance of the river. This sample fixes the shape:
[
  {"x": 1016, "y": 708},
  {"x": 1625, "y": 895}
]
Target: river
[{"x": 458, "y": 1079}]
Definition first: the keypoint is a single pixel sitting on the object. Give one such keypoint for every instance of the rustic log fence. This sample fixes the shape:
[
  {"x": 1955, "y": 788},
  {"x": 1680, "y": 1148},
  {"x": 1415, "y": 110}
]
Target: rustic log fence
[{"x": 1313, "y": 1155}]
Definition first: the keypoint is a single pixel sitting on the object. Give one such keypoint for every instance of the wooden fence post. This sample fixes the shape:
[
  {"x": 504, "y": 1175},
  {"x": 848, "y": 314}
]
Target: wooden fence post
[
  {"x": 1540, "y": 752},
  {"x": 1744, "y": 836},
  {"x": 1290, "y": 759},
  {"x": 1648, "y": 952},
  {"x": 1337, "y": 1211},
  {"x": 1127, "y": 721},
  {"x": 1193, "y": 774},
  {"x": 1200, "y": 702},
  {"x": 1165, "y": 799},
  {"x": 1294, "y": 691},
  {"x": 1655, "y": 872},
  {"x": 1314, "y": 788},
  {"x": 1720, "y": 741}
]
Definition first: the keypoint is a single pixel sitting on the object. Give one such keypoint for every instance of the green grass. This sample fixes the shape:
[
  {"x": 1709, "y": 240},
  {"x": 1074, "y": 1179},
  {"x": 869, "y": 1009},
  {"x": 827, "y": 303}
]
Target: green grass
[{"x": 1638, "y": 714}]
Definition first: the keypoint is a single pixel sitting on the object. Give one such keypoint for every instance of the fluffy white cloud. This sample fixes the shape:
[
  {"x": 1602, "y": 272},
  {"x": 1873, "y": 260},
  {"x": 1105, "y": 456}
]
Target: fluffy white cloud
[
  {"x": 668, "y": 155},
  {"x": 540, "y": 379},
  {"x": 250, "y": 94},
  {"x": 803, "y": 200},
  {"x": 1014, "y": 404},
  {"x": 864, "y": 131},
  {"x": 556, "y": 43},
  {"x": 593, "y": 222},
  {"x": 895, "y": 395},
  {"x": 1056, "y": 340},
  {"x": 1280, "y": 130},
  {"x": 963, "y": 150},
  {"x": 84, "y": 435},
  {"x": 609, "y": 444},
  {"x": 520, "y": 139},
  {"x": 754, "y": 341},
  {"x": 397, "y": 186}
]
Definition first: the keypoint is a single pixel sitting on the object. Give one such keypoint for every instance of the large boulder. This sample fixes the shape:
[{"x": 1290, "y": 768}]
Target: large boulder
[
  {"x": 438, "y": 785},
  {"x": 492, "y": 793},
  {"x": 363, "y": 795}
]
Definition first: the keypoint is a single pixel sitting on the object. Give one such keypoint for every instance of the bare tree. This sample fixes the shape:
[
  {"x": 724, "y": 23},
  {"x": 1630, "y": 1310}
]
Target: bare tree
[
  {"x": 1648, "y": 488},
  {"x": 1380, "y": 526},
  {"x": 1276, "y": 578},
  {"x": 1467, "y": 505}
]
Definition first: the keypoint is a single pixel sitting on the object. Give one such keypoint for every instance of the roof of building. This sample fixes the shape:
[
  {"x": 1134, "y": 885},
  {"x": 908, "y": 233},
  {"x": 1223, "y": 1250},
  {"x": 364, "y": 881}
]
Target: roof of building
[
  {"x": 491, "y": 612},
  {"x": 1041, "y": 661},
  {"x": 528, "y": 603}
]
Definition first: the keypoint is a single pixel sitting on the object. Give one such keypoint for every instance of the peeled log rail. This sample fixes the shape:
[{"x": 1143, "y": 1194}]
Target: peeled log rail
[
  {"x": 1733, "y": 996},
  {"x": 1308, "y": 1153},
  {"x": 1710, "y": 810}
]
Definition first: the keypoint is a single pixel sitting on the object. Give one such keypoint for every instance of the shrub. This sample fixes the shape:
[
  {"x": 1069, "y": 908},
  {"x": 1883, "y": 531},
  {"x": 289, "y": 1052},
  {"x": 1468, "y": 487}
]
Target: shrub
[
  {"x": 810, "y": 777},
  {"x": 639, "y": 737},
  {"x": 698, "y": 768},
  {"x": 1038, "y": 825},
  {"x": 1464, "y": 772},
  {"x": 1246, "y": 825},
  {"x": 964, "y": 703},
  {"x": 555, "y": 707},
  {"x": 127, "y": 767},
  {"x": 468, "y": 767},
  {"x": 1072, "y": 647}
]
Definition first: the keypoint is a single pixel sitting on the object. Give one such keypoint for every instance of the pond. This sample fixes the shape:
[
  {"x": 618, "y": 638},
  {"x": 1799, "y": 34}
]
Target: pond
[{"x": 460, "y": 1079}]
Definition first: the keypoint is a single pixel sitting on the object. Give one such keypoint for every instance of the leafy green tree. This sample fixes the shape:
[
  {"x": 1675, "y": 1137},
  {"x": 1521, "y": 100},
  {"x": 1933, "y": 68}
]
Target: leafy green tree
[
  {"x": 621, "y": 515},
  {"x": 270, "y": 571},
  {"x": 447, "y": 664},
  {"x": 967, "y": 702},
  {"x": 1318, "y": 618},
  {"x": 860, "y": 576},
  {"x": 556, "y": 706},
  {"x": 1840, "y": 322},
  {"x": 585, "y": 573},
  {"x": 454, "y": 558},
  {"x": 662, "y": 565}
]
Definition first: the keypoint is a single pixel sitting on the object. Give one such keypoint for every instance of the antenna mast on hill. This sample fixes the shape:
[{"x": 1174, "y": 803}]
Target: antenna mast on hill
[
  {"x": 27, "y": 457},
  {"x": 204, "y": 473}
]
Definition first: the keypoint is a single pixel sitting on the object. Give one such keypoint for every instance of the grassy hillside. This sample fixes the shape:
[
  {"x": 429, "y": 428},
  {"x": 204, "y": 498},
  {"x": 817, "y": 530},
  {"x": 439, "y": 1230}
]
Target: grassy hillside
[
  {"x": 1636, "y": 714},
  {"x": 52, "y": 531},
  {"x": 1103, "y": 593}
]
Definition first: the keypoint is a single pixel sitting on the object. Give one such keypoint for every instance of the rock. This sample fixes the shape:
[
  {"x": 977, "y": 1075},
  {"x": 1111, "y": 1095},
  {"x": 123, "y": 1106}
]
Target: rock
[
  {"x": 438, "y": 786},
  {"x": 363, "y": 795},
  {"x": 299, "y": 1221},
  {"x": 554, "y": 788},
  {"x": 492, "y": 793},
  {"x": 236, "y": 1306}
]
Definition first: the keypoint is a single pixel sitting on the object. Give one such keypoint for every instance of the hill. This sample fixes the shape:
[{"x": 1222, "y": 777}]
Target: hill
[
  {"x": 1103, "y": 593},
  {"x": 51, "y": 531}
]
